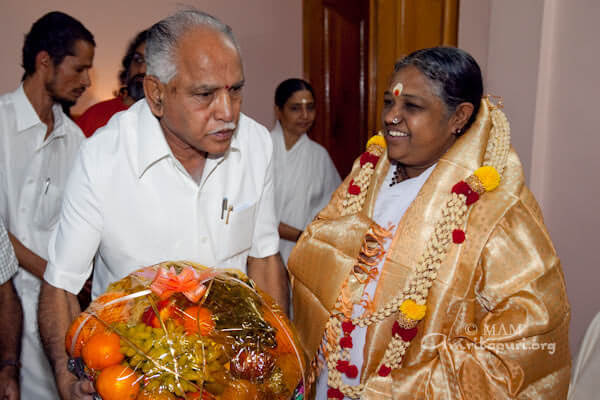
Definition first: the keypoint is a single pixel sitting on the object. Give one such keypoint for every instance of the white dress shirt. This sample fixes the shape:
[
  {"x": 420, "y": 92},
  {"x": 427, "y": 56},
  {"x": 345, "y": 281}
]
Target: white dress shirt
[
  {"x": 129, "y": 203},
  {"x": 305, "y": 178},
  {"x": 390, "y": 206},
  {"x": 33, "y": 173}
]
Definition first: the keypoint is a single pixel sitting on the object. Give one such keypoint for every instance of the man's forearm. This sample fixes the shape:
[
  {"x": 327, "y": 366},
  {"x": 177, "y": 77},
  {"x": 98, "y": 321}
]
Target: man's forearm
[
  {"x": 57, "y": 308},
  {"x": 11, "y": 327},
  {"x": 288, "y": 232},
  {"x": 270, "y": 275},
  {"x": 27, "y": 258}
]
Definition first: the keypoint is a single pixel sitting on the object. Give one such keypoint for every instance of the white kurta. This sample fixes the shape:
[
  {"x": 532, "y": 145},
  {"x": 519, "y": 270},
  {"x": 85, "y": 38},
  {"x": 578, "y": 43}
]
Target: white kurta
[
  {"x": 130, "y": 203},
  {"x": 390, "y": 206},
  {"x": 33, "y": 172},
  {"x": 305, "y": 178}
]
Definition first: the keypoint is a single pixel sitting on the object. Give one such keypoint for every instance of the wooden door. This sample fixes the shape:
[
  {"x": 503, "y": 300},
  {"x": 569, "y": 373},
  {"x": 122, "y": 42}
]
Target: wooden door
[
  {"x": 350, "y": 47},
  {"x": 401, "y": 27},
  {"x": 335, "y": 63}
]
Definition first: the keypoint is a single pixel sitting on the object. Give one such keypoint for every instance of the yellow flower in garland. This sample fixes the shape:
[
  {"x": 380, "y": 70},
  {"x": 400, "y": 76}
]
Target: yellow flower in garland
[
  {"x": 412, "y": 310},
  {"x": 488, "y": 176},
  {"x": 377, "y": 140}
]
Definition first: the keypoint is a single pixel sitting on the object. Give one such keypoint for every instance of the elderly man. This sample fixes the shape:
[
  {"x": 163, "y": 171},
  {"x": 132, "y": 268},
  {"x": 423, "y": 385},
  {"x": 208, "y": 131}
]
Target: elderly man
[
  {"x": 131, "y": 79},
  {"x": 10, "y": 329},
  {"x": 181, "y": 175},
  {"x": 38, "y": 144}
]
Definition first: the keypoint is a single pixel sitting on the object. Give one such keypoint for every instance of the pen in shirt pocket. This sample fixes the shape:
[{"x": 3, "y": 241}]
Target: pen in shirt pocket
[{"x": 46, "y": 185}]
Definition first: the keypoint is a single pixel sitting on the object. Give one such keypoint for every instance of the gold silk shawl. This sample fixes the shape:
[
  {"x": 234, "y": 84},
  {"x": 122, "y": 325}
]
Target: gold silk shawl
[{"x": 497, "y": 315}]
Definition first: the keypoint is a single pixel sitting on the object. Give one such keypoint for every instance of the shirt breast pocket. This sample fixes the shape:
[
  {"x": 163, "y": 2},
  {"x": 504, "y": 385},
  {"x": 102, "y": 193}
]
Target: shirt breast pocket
[
  {"x": 48, "y": 206},
  {"x": 237, "y": 232}
]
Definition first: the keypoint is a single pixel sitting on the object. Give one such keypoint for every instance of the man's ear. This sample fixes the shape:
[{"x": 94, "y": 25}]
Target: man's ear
[
  {"x": 43, "y": 61},
  {"x": 154, "y": 90},
  {"x": 461, "y": 116}
]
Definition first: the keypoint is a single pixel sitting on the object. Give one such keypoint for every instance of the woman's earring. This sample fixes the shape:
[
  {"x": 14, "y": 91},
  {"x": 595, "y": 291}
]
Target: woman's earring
[{"x": 458, "y": 132}]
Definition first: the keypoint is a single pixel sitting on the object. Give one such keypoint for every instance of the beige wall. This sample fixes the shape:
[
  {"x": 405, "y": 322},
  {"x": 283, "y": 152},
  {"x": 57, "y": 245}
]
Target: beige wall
[
  {"x": 269, "y": 32},
  {"x": 542, "y": 57}
]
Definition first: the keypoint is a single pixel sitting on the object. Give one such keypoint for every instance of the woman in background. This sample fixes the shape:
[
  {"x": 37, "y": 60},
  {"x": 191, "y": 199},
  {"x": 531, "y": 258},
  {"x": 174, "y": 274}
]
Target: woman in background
[{"x": 305, "y": 176}]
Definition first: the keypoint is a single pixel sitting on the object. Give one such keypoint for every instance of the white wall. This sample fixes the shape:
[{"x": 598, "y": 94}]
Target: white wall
[
  {"x": 269, "y": 32},
  {"x": 542, "y": 56}
]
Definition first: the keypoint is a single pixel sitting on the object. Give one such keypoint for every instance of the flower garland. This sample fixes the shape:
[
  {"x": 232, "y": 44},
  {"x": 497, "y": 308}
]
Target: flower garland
[{"x": 409, "y": 306}]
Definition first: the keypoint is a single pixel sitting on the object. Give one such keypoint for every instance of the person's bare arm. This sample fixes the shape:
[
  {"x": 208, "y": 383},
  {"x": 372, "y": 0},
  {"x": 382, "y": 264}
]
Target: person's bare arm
[
  {"x": 288, "y": 232},
  {"x": 27, "y": 258},
  {"x": 57, "y": 308},
  {"x": 10, "y": 340},
  {"x": 270, "y": 275}
]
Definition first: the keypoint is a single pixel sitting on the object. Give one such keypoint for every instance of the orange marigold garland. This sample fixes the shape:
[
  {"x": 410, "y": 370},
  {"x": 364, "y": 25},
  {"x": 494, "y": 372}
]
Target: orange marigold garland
[{"x": 409, "y": 306}]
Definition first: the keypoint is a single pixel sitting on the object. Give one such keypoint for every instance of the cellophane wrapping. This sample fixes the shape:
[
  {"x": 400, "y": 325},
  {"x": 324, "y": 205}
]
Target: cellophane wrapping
[{"x": 178, "y": 330}]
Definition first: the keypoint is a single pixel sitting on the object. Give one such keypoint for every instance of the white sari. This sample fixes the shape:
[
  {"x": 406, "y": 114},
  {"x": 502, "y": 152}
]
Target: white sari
[{"x": 305, "y": 178}]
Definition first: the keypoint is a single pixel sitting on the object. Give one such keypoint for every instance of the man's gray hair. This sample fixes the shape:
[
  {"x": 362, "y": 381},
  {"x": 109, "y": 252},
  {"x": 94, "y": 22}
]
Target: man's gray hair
[{"x": 164, "y": 36}]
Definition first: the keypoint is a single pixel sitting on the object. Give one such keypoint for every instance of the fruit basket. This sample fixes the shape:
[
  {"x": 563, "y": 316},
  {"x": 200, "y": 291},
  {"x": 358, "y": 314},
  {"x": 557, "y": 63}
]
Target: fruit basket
[{"x": 179, "y": 330}]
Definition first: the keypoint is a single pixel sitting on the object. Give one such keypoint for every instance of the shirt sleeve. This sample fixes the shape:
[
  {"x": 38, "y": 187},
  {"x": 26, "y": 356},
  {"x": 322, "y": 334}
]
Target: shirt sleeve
[
  {"x": 265, "y": 240},
  {"x": 75, "y": 240},
  {"x": 8, "y": 261}
]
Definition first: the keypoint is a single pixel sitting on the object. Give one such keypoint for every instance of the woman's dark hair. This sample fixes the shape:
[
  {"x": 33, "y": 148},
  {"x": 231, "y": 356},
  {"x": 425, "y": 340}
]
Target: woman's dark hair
[
  {"x": 128, "y": 58},
  {"x": 55, "y": 33},
  {"x": 287, "y": 88},
  {"x": 453, "y": 72}
]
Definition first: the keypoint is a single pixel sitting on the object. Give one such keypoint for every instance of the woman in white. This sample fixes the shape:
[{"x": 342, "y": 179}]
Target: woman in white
[{"x": 305, "y": 176}]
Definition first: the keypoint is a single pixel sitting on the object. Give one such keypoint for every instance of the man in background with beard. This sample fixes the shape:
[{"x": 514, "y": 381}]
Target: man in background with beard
[
  {"x": 38, "y": 144},
  {"x": 131, "y": 80}
]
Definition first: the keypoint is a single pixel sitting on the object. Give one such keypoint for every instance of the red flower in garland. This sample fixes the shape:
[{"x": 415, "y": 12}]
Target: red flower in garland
[
  {"x": 346, "y": 342},
  {"x": 342, "y": 365},
  {"x": 353, "y": 189},
  {"x": 367, "y": 157},
  {"x": 352, "y": 371},
  {"x": 384, "y": 370},
  {"x": 472, "y": 197},
  {"x": 406, "y": 334},
  {"x": 461, "y": 187},
  {"x": 458, "y": 236},
  {"x": 333, "y": 393},
  {"x": 347, "y": 327}
]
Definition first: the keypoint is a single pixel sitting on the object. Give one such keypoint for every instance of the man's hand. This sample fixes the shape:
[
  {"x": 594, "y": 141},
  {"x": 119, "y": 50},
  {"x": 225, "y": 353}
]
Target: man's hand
[
  {"x": 76, "y": 389},
  {"x": 270, "y": 275},
  {"x": 57, "y": 308},
  {"x": 9, "y": 383}
]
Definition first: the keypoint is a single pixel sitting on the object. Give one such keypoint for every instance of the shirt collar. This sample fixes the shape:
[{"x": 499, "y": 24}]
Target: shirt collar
[
  {"x": 152, "y": 145},
  {"x": 24, "y": 111},
  {"x": 27, "y": 117}
]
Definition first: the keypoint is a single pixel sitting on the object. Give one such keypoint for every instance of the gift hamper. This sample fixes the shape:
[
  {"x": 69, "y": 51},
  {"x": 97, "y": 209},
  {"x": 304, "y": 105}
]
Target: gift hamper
[{"x": 179, "y": 330}]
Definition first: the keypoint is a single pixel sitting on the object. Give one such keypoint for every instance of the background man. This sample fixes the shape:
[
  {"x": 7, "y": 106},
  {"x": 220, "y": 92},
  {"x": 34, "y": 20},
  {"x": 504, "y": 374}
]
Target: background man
[
  {"x": 37, "y": 146},
  {"x": 131, "y": 80},
  {"x": 11, "y": 326},
  {"x": 181, "y": 175}
]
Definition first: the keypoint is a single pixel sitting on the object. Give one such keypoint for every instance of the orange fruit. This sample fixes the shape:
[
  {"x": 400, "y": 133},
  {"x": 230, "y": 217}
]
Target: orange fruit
[
  {"x": 102, "y": 350},
  {"x": 198, "y": 320},
  {"x": 89, "y": 328},
  {"x": 283, "y": 334},
  {"x": 117, "y": 382},
  {"x": 117, "y": 312},
  {"x": 240, "y": 389}
]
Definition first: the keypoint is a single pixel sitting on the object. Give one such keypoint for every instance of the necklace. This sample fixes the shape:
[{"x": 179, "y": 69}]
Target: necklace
[
  {"x": 409, "y": 305},
  {"x": 399, "y": 174}
]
